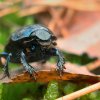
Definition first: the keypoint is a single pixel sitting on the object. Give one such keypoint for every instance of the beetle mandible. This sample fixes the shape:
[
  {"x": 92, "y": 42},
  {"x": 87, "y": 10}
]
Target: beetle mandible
[{"x": 31, "y": 43}]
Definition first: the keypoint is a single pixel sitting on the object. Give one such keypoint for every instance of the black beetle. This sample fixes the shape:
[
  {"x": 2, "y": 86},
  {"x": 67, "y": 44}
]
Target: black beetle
[{"x": 30, "y": 44}]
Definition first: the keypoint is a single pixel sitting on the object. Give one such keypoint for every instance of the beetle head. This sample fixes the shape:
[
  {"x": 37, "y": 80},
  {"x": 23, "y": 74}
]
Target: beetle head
[{"x": 43, "y": 37}]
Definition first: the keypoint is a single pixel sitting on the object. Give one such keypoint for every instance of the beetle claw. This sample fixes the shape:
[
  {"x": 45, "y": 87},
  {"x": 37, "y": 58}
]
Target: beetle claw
[
  {"x": 60, "y": 71},
  {"x": 33, "y": 75},
  {"x": 6, "y": 74},
  {"x": 32, "y": 72},
  {"x": 60, "y": 67}
]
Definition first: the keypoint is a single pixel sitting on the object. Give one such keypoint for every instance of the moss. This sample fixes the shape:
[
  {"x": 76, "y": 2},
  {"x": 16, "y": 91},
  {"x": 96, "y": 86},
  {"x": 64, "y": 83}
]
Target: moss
[{"x": 52, "y": 91}]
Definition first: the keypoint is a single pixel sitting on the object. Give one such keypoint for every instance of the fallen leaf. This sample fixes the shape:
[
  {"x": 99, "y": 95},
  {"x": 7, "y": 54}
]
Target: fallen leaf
[
  {"x": 47, "y": 76},
  {"x": 70, "y": 74}
]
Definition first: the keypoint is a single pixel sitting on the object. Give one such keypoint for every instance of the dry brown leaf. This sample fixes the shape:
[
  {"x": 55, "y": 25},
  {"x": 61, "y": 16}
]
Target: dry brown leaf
[
  {"x": 80, "y": 43},
  {"x": 47, "y": 76},
  {"x": 71, "y": 73}
]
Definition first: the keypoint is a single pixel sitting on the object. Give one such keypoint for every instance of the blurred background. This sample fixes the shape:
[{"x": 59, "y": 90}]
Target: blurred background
[{"x": 76, "y": 23}]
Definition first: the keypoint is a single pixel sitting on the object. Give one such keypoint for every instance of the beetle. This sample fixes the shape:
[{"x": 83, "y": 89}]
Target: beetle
[{"x": 31, "y": 43}]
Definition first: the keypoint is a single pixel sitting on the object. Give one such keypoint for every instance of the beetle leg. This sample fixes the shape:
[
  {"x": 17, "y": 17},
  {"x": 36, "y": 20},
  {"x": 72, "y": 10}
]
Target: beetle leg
[
  {"x": 5, "y": 68},
  {"x": 28, "y": 67},
  {"x": 61, "y": 61}
]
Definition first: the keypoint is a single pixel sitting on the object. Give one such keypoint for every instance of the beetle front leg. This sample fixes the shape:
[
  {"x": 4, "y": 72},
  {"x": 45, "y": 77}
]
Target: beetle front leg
[
  {"x": 61, "y": 61},
  {"x": 5, "y": 67},
  {"x": 28, "y": 67}
]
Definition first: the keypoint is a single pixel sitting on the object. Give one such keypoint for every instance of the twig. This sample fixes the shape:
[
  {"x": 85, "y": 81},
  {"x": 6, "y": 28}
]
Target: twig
[
  {"x": 81, "y": 92},
  {"x": 79, "y": 5},
  {"x": 57, "y": 20},
  {"x": 32, "y": 10},
  {"x": 8, "y": 11},
  {"x": 9, "y": 3},
  {"x": 70, "y": 13},
  {"x": 93, "y": 65}
]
